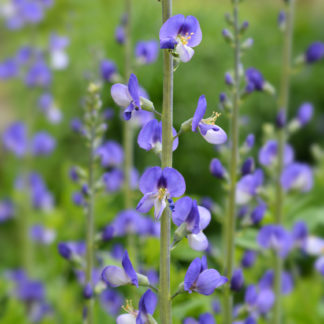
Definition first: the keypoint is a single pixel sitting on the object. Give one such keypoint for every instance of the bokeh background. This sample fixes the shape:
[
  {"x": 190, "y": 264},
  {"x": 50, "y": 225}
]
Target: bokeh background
[{"x": 90, "y": 25}]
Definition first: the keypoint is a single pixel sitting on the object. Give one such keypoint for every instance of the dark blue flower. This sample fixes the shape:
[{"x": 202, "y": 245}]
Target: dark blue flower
[
  {"x": 180, "y": 34},
  {"x": 113, "y": 180},
  {"x": 216, "y": 168},
  {"x": 248, "y": 259},
  {"x": 68, "y": 250},
  {"x": 212, "y": 133},
  {"x": 255, "y": 80},
  {"x": 158, "y": 185},
  {"x": 258, "y": 212},
  {"x": 247, "y": 166},
  {"x": 237, "y": 280},
  {"x": 314, "y": 52},
  {"x": 202, "y": 280}
]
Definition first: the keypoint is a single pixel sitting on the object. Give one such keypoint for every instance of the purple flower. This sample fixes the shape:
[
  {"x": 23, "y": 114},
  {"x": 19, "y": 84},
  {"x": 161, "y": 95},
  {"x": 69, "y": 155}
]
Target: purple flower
[
  {"x": 180, "y": 34},
  {"x": 107, "y": 233},
  {"x": 258, "y": 212},
  {"x": 48, "y": 107},
  {"x": 247, "y": 166},
  {"x": 30, "y": 290},
  {"x": 40, "y": 234},
  {"x": 314, "y": 52},
  {"x": 150, "y": 137},
  {"x": 282, "y": 19},
  {"x": 297, "y": 176},
  {"x": 39, "y": 75},
  {"x": 248, "y": 186},
  {"x": 314, "y": 245},
  {"x": 108, "y": 70},
  {"x": 120, "y": 34},
  {"x": 158, "y": 185},
  {"x": 8, "y": 69},
  {"x": 300, "y": 233},
  {"x": 205, "y": 318},
  {"x": 113, "y": 180},
  {"x": 237, "y": 280},
  {"x": 212, "y": 133},
  {"x": 15, "y": 138},
  {"x": 127, "y": 97},
  {"x": 111, "y": 301},
  {"x": 43, "y": 144},
  {"x": 287, "y": 283},
  {"x": 111, "y": 154},
  {"x": 249, "y": 141},
  {"x": 146, "y": 306},
  {"x": 78, "y": 199},
  {"x": 202, "y": 280},
  {"x": 58, "y": 56},
  {"x": 281, "y": 118},
  {"x": 216, "y": 168},
  {"x": 115, "y": 276},
  {"x": 259, "y": 301},
  {"x": 41, "y": 198},
  {"x": 255, "y": 80},
  {"x": 269, "y": 152},
  {"x": 196, "y": 219},
  {"x": 146, "y": 52},
  {"x": 305, "y": 113},
  {"x": 319, "y": 265},
  {"x": 87, "y": 291},
  {"x": 248, "y": 259},
  {"x": 6, "y": 210},
  {"x": 69, "y": 250},
  {"x": 275, "y": 237}
]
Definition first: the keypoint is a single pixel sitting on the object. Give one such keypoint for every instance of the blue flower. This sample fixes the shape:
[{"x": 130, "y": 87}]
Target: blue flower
[
  {"x": 305, "y": 113},
  {"x": 115, "y": 276},
  {"x": 158, "y": 185},
  {"x": 255, "y": 80},
  {"x": 216, "y": 168},
  {"x": 146, "y": 52},
  {"x": 15, "y": 139},
  {"x": 237, "y": 280},
  {"x": 8, "y": 69},
  {"x": 248, "y": 259},
  {"x": 150, "y": 137},
  {"x": 39, "y": 75},
  {"x": 108, "y": 70},
  {"x": 314, "y": 52},
  {"x": 127, "y": 97},
  {"x": 202, "y": 280},
  {"x": 40, "y": 234},
  {"x": 212, "y": 133},
  {"x": 297, "y": 176},
  {"x": 181, "y": 34},
  {"x": 113, "y": 180},
  {"x": 111, "y": 154},
  {"x": 205, "y": 318},
  {"x": 69, "y": 250},
  {"x": 6, "y": 210},
  {"x": 43, "y": 144}
]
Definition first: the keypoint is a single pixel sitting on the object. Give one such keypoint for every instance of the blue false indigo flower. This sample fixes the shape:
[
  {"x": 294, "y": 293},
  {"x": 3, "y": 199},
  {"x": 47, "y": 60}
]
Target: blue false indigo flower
[
  {"x": 228, "y": 36},
  {"x": 40, "y": 234},
  {"x": 300, "y": 233},
  {"x": 248, "y": 187},
  {"x": 113, "y": 180},
  {"x": 275, "y": 237},
  {"x": 41, "y": 198},
  {"x": 68, "y": 250},
  {"x": 202, "y": 280},
  {"x": 269, "y": 152},
  {"x": 267, "y": 282},
  {"x": 115, "y": 276},
  {"x": 74, "y": 175},
  {"x": 120, "y": 34},
  {"x": 150, "y": 137},
  {"x": 180, "y": 34},
  {"x": 248, "y": 43},
  {"x": 248, "y": 258},
  {"x": 58, "y": 56},
  {"x": 212, "y": 133},
  {"x": 281, "y": 119},
  {"x": 196, "y": 219},
  {"x": 39, "y": 74},
  {"x": 249, "y": 141},
  {"x": 48, "y": 107},
  {"x": 87, "y": 291},
  {"x": 108, "y": 70},
  {"x": 229, "y": 79},
  {"x": 111, "y": 154},
  {"x": 297, "y": 176},
  {"x": 216, "y": 306},
  {"x": 78, "y": 199},
  {"x": 15, "y": 139},
  {"x": 158, "y": 185},
  {"x": 258, "y": 212},
  {"x": 43, "y": 144},
  {"x": 111, "y": 301},
  {"x": 146, "y": 52},
  {"x": 107, "y": 233},
  {"x": 237, "y": 280},
  {"x": 255, "y": 80},
  {"x": 259, "y": 301},
  {"x": 216, "y": 169},
  {"x": 8, "y": 69},
  {"x": 128, "y": 97},
  {"x": 222, "y": 97},
  {"x": 305, "y": 113},
  {"x": 76, "y": 125},
  {"x": 314, "y": 52},
  {"x": 6, "y": 210},
  {"x": 248, "y": 166},
  {"x": 24, "y": 54},
  {"x": 282, "y": 20}
]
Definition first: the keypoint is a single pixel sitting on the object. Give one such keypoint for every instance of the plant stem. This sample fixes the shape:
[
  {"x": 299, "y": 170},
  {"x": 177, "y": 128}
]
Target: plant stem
[
  {"x": 167, "y": 139},
  {"x": 231, "y": 208},
  {"x": 90, "y": 226},
  {"x": 282, "y": 106}
]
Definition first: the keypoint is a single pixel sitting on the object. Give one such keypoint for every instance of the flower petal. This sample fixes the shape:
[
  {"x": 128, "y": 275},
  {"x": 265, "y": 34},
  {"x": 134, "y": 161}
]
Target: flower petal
[
  {"x": 198, "y": 242},
  {"x": 171, "y": 27},
  {"x": 181, "y": 210},
  {"x": 199, "y": 113},
  {"x": 149, "y": 135},
  {"x": 213, "y": 134},
  {"x": 159, "y": 206},
  {"x": 205, "y": 217},
  {"x": 133, "y": 89},
  {"x": 148, "y": 302},
  {"x": 126, "y": 319},
  {"x": 120, "y": 95},
  {"x": 185, "y": 52},
  {"x": 146, "y": 203},
  {"x": 175, "y": 182},
  {"x": 149, "y": 180},
  {"x": 192, "y": 274},
  {"x": 129, "y": 270},
  {"x": 192, "y": 27},
  {"x": 115, "y": 276},
  {"x": 208, "y": 281}
]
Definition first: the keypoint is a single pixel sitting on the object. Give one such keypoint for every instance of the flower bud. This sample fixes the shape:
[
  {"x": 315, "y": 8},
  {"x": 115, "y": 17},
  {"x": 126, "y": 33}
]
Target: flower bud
[
  {"x": 237, "y": 280},
  {"x": 248, "y": 166},
  {"x": 216, "y": 169}
]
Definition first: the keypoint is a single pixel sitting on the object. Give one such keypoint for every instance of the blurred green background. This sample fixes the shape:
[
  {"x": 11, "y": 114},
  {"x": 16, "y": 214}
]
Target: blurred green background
[{"x": 90, "y": 26}]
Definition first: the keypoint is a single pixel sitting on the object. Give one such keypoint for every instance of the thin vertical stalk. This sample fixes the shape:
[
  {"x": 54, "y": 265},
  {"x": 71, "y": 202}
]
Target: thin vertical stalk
[
  {"x": 283, "y": 104},
  {"x": 234, "y": 157},
  {"x": 90, "y": 225},
  {"x": 167, "y": 139}
]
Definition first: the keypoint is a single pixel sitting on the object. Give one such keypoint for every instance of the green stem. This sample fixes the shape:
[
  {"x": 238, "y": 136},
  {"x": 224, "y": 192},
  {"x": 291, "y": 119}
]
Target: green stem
[
  {"x": 167, "y": 139},
  {"x": 90, "y": 226},
  {"x": 234, "y": 157},
  {"x": 282, "y": 106}
]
